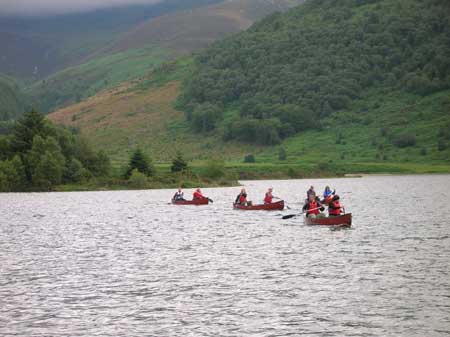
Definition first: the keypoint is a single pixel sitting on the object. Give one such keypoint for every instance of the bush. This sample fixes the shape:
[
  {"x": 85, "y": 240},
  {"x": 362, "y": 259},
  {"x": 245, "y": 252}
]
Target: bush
[
  {"x": 441, "y": 146},
  {"x": 179, "y": 164},
  {"x": 292, "y": 173},
  {"x": 215, "y": 169},
  {"x": 96, "y": 163},
  {"x": 138, "y": 179},
  {"x": 12, "y": 175},
  {"x": 249, "y": 158},
  {"x": 405, "y": 140},
  {"x": 74, "y": 171}
]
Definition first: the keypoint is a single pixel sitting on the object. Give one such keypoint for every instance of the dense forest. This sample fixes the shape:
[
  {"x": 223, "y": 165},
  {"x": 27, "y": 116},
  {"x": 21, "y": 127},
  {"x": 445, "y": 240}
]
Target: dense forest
[
  {"x": 291, "y": 71},
  {"x": 38, "y": 155}
]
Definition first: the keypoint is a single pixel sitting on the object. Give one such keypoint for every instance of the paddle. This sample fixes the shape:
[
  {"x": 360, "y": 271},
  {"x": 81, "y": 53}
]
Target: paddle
[
  {"x": 292, "y": 215},
  {"x": 210, "y": 200},
  {"x": 287, "y": 207}
]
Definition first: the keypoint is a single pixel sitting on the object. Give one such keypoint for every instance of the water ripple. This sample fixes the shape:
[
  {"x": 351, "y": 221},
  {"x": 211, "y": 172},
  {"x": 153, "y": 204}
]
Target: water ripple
[{"x": 128, "y": 264}]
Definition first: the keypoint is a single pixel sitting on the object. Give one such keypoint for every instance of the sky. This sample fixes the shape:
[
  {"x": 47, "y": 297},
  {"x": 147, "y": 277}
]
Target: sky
[{"x": 52, "y": 7}]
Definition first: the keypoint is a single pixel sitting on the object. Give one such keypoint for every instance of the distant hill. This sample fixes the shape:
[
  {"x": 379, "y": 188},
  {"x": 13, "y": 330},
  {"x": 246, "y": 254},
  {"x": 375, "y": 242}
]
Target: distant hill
[
  {"x": 38, "y": 46},
  {"x": 148, "y": 44},
  {"x": 190, "y": 30},
  {"x": 26, "y": 56},
  {"x": 74, "y": 84}
]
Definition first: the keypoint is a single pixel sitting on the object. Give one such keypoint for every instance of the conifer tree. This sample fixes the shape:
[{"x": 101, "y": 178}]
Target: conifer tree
[
  {"x": 31, "y": 124},
  {"x": 140, "y": 162},
  {"x": 179, "y": 164}
]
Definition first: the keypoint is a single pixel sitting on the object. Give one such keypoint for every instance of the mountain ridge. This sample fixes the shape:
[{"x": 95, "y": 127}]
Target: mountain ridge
[
  {"x": 158, "y": 39},
  {"x": 172, "y": 30}
]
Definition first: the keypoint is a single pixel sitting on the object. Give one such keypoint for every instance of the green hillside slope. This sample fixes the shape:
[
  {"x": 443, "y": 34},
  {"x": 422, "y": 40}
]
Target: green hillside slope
[
  {"x": 133, "y": 54},
  {"x": 77, "y": 83},
  {"x": 292, "y": 71},
  {"x": 141, "y": 113}
]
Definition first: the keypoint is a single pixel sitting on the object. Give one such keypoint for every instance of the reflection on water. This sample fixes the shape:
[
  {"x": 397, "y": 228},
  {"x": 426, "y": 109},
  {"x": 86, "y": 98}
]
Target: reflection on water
[{"x": 128, "y": 263}]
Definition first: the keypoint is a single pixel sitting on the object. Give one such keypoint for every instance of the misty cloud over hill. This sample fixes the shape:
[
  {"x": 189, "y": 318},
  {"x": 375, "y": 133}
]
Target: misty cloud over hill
[{"x": 54, "y": 7}]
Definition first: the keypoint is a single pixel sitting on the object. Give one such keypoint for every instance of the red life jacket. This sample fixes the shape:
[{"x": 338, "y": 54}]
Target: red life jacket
[
  {"x": 336, "y": 209},
  {"x": 328, "y": 199},
  {"x": 313, "y": 208},
  {"x": 198, "y": 195},
  {"x": 268, "y": 199},
  {"x": 242, "y": 199}
]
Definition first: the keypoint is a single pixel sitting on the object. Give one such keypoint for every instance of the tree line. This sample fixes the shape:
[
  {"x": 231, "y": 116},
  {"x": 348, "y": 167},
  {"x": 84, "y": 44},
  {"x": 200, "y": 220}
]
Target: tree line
[{"x": 38, "y": 155}]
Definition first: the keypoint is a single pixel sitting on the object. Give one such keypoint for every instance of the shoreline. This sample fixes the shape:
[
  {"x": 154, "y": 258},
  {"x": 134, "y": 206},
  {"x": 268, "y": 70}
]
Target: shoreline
[
  {"x": 232, "y": 176},
  {"x": 215, "y": 184}
]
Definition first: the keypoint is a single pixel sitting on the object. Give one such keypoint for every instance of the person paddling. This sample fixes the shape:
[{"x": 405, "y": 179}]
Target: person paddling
[
  {"x": 334, "y": 207},
  {"x": 198, "y": 194},
  {"x": 268, "y": 197},
  {"x": 179, "y": 195},
  {"x": 241, "y": 199},
  {"x": 313, "y": 207}
]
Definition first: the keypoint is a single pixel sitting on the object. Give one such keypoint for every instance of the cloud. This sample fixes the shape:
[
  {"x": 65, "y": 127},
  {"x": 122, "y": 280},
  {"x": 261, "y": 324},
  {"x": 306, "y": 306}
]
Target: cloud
[{"x": 53, "y": 7}]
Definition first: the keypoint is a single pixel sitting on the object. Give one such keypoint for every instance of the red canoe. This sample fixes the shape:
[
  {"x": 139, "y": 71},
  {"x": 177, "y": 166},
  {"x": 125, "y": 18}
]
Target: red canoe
[
  {"x": 279, "y": 205},
  {"x": 342, "y": 220},
  {"x": 197, "y": 202}
]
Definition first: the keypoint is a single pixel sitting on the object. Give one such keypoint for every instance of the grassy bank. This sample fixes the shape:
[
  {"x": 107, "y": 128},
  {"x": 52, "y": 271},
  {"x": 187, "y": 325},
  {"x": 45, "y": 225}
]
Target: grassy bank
[{"x": 234, "y": 171}]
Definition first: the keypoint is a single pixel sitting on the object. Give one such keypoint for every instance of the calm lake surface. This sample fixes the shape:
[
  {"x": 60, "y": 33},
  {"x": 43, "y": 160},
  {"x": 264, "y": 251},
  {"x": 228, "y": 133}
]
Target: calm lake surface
[{"x": 128, "y": 264}]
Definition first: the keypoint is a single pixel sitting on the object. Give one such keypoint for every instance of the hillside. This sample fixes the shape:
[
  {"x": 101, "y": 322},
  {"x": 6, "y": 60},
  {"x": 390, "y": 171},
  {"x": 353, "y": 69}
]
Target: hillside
[
  {"x": 363, "y": 87},
  {"x": 39, "y": 46},
  {"x": 140, "y": 113},
  {"x": 186, "y": 31},
  {"x": 290, "y": 72},
  {"x": 148, "y": 44},
  {"x": 74, "y": 84}
]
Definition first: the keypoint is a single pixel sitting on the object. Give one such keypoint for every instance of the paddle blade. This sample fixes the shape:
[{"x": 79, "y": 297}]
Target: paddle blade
[
  {"x": 210, "y": 200},
  {"x": 288, "y": 216}
]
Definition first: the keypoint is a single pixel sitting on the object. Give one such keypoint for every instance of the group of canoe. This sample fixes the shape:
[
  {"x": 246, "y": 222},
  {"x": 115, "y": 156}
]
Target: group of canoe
[{"x": 312, "y": 209}]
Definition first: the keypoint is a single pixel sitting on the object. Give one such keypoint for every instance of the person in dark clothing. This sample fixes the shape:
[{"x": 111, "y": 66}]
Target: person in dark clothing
[
  {"x": 313, "y": 207},
  {"x": 310, "y": 192},
  {"x": 178, "y": 196},
  {"x": 241, "y": 199}
]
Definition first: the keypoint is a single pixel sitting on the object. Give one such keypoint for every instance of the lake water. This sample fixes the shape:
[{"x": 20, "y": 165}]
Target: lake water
[{"x": 127, "y": 263}]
